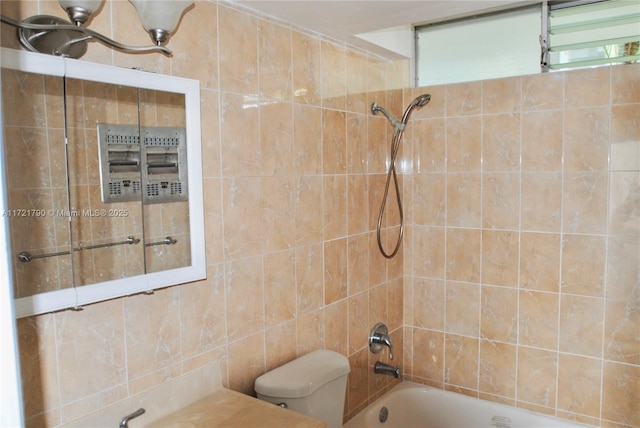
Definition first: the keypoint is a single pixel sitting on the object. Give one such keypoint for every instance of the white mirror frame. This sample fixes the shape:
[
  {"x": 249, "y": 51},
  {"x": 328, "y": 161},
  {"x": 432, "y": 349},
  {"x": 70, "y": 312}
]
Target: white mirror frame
[{"x": 76, "y": 69}]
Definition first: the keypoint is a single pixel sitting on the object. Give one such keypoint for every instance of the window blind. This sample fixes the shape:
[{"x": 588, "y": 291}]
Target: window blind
[{"x": 583, "y": 34}]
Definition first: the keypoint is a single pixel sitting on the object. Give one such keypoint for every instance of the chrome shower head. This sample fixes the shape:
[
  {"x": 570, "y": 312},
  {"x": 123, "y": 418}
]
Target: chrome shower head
[
  {"x": 422, "y": 100},
  {"x": 419, "y": 101}
]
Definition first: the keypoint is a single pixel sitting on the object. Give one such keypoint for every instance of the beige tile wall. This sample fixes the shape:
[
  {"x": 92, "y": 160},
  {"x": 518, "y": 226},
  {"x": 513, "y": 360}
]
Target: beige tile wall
[
  {"x": 294, "y": 171},
  {"x": 522, "y": 282},
  {"x": 290, "y": 217}
]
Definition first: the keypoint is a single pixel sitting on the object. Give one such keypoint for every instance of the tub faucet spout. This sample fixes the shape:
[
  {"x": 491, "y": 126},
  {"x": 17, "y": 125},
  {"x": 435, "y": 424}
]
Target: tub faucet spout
[
  {"x": 386, "y": 369},
  {"x": 124, "y": 422}
]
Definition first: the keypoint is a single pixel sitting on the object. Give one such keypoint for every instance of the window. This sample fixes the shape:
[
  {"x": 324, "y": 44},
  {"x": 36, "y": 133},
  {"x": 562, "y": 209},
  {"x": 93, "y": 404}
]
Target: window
[
  {"x": 578, "y": 33},
  {"x": 603, "y": 32},
  {"x": 486, "y": 47}
]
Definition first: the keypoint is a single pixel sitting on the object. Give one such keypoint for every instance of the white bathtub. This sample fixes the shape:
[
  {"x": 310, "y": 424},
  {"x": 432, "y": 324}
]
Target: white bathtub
[{"x": 411, "y": 405}]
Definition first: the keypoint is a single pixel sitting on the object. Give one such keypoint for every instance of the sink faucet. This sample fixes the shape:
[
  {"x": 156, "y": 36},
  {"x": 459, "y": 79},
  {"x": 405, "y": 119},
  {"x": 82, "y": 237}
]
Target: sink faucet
[
  {"x": 386, "y": 369},
  {"x": 378, "y": 338},
  {"x": 124, "y": 422}
]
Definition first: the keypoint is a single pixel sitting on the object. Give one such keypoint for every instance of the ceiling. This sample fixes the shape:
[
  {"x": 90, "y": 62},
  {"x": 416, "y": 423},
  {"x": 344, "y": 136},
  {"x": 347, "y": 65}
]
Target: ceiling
[{"x": 344, "y": 20}]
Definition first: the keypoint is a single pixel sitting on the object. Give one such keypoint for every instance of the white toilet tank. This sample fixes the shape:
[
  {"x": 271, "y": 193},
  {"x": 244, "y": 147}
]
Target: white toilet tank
[{"x": 314, "y": 384}]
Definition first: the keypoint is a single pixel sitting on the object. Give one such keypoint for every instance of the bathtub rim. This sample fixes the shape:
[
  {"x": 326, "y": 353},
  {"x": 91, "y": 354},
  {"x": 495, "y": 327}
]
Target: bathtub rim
[{"x": 407, "y": 384}]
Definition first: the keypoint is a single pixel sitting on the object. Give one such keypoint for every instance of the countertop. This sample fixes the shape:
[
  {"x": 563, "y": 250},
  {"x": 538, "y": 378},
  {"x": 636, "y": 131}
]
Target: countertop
[{"x": 231, "y": 409}]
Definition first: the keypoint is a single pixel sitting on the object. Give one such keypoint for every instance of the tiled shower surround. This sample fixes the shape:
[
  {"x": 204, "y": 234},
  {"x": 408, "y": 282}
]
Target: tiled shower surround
[{"x": 518, "y": 280}]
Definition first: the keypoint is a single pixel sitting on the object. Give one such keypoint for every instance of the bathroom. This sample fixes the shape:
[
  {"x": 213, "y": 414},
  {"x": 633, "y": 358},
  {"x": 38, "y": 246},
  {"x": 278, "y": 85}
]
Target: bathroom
[{"x": 518, "y": 277}]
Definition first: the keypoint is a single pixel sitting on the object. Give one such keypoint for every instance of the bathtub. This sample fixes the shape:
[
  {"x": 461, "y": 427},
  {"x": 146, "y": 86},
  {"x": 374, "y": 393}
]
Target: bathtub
[{"x": 411, "y": 405}]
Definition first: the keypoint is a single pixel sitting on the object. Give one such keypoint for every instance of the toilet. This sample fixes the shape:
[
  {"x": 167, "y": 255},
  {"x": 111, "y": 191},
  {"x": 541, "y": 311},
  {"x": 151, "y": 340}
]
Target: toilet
[{"x": 314, "y": 384}]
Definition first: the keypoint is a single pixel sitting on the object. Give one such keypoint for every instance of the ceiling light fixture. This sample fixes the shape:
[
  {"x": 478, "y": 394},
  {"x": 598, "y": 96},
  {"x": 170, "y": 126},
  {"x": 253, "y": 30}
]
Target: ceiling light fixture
[{"x": 55, "y": 36}]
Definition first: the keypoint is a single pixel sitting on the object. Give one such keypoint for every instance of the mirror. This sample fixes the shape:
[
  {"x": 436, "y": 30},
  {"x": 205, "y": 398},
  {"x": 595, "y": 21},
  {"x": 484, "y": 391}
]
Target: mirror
[
  {"x": 166, "y": 209},
  {"x": 35, "y": 180},
  {"x": 104, "y": 180},
  {"x": 100, "y": 229}
]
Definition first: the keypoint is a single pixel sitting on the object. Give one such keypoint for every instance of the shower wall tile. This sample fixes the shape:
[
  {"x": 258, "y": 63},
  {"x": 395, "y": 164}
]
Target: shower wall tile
[
  {"x": 238, "y": 54},
  {"x": 598, "y": 82},
  {"x": 246, "y": 362},
  {"x": 357, "y": 81},
  {"x": 501, "y": 142},
  {"x": 463, "y": 249},
  {"x": 500, "y": 258},
  {"x": 358, "y": 264},
  {"x": 244, "y": 294},
  {"x": 336, "y": 327},
  {"x": 334, "y": 144},
  {"x": 240, "y": 137},
  {"x": 463, "y": 99},
  {"x": 578, "y": 277},
  {"x": 279, "y": 213},
  {"x": 429, "y": 199},
  {"x": 309, "y": 278},
  {"x": 622, "y": 268},
  {"x": 501, "y": 95},
  {"x": 196, "y": 42},
  {"x": 541, "y": 202},
  {"x": 621, "y": 340},
  {"x": 279, "y": 280},
  {"x": 357, "y": 204},
  {"x": 501, "y": 200},
  {"x": 625, "y": 83},
  {"x": 536, "y": 374},
  {"x": 356, "y": 135},
  {"x": 202, "y": 310},
  {"x": 306, "y": 69},
  {"x": 461, "y": 361},
  {"x": 540, "y": 261},
  {"x": 585, "y": 202},
  {"x": 463, "y": 200},
  {"x": 499, "y": 314},
  {"x": 379, "y": 135},
  {"x": 542, "y": 144},
  {"x": 428, "y": 355},
  {"x": 464, "y": 145},
  {"x": 579, "y": 385},
  {"x": 428, "y": 257},
  {"x": 307, "y": 140},
  {"x": 497, "y": 368},
  {"x": 586, "y": 139},
  {"x": 335, "y": 271},
  {"x": 462, "y": 308},
  {"x": 333, "y": 75},
  {"x": 553, "y": 244},
  {"x": 538, "y": 319},
  {"x": 429, "y": 145},
  {"x": 334, "y": 206},
  {"x": 617, "y": 403},
  {"x": 276, "y": 138},
  {"x": 543, "y": 92},
  {"x": 275, "y": 66}
]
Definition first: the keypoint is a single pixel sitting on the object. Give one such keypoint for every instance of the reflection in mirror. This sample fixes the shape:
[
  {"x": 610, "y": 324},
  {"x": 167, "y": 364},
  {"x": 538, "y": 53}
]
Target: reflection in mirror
[
  {"x": 36, "y": 182},
  {"x": 166, "y": 204},
  {"x": 112, "y": 230},
  {"x": 57, "y": 112}
]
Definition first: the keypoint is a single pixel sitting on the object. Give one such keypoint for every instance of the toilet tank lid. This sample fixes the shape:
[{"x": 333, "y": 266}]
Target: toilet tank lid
[{"x": 302, "y": 376}]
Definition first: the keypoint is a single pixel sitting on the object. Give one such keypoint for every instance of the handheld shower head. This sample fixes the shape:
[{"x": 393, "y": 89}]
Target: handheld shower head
[
  {"x": 419, "y": 101},
  {"x": 422, "y": 100}
]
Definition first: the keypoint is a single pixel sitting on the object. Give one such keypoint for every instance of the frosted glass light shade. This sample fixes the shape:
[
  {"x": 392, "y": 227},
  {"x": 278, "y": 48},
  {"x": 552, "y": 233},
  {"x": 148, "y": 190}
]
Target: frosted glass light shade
[
  {"x": 88, "y": 5},
  {"x": 160, "y": 16},
  {"x": 79, "y": 11}
]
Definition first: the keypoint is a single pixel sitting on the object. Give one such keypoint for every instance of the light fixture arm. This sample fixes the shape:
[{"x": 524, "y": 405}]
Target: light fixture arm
[{"x": 44, "y": 29}]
